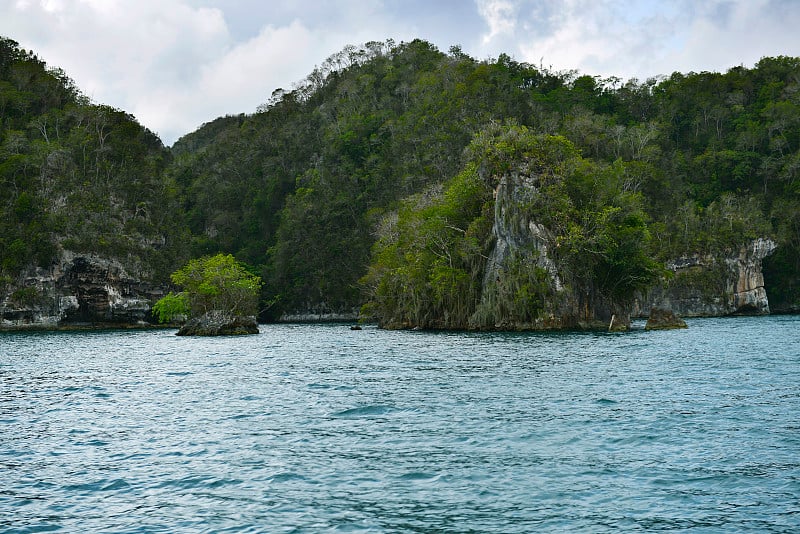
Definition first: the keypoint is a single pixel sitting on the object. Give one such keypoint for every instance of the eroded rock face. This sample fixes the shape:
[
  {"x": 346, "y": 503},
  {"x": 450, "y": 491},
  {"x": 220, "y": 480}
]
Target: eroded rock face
[
  {"x": 219, "y": 323},
  {"x": 78, "y": 291},
  {"x": 518, "y": 238},
  {"x": 749, "y": 295},
  {"x": 319, "y": 313},
  {"x": 708, "y": 286},
  {"x": 513, "y": 231}
]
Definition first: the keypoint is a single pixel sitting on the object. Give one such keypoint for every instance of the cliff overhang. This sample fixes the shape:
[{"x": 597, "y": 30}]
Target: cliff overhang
[{"x": 78, "y": 291}]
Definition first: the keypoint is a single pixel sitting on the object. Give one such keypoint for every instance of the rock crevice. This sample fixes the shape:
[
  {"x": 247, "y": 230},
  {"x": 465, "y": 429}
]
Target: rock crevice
[{"x": 78, "y": 291}]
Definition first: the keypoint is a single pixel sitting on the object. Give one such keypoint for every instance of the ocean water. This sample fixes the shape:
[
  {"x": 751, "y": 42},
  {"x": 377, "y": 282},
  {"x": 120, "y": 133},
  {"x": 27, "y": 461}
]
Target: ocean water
[{"x": 317, "y": 428}]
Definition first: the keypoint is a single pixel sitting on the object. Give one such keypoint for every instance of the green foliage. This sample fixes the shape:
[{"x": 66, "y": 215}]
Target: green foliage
[
  {"x": 725, "y": 225},
  {"x": 25, "y": 296},
  {"x": 607, "y": 252},
  {"x": 502, "y": 147},
  {"x": 171, "y": 307},
  {"x": 424, "y": 270},
  {"x": 780, "y": 269},
  {"x": 521, "y": 296},
  {"x": 297, "y": 187},
  {"x": 428, "y": 259},
  {"x": 211, "y": 283},
  {"x": 79, "y": 176}
]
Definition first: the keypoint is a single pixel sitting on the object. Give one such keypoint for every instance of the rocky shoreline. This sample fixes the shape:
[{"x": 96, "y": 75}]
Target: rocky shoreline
[{"x": 83, "y": 292}]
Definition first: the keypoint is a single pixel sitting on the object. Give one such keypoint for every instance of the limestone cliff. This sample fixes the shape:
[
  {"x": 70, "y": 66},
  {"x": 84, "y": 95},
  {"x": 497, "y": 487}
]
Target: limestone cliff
[
  {"x": 78, "y": 291},
  {"x": 514, "y": 232},
  {"x": 319, "y": 313},
  {"x": 522, "y": 263},
  {"x": 525, "y": 253},
  {"x": 713, "y": 285}
]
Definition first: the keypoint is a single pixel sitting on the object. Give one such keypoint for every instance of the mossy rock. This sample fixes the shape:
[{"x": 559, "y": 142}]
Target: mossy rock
[
  {"x": 219, "y": 323},
  {"x": 661, "y": 319}
]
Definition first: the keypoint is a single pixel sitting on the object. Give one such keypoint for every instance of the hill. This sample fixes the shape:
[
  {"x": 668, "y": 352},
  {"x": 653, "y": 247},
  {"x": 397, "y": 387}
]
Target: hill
[
  {"x": 84, "y": 194},
  {"x": 713, "y": 157}
]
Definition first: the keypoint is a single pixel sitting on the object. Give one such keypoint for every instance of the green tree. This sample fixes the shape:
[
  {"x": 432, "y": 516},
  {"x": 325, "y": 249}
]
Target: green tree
[{"x": 215, "y": 283}]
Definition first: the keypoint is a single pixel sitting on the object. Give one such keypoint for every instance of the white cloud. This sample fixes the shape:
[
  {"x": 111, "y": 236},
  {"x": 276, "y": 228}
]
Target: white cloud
[
  {"x": 500, "y": 16},
  {"x": 607, "y": 38},
  {"x": 236, "y": 81},
  {"x": 643, "y": 38},
  {"x": 175, "y": 65},
  {"x": 120, "y": 52},
  {"x": 726, "y": 34}
]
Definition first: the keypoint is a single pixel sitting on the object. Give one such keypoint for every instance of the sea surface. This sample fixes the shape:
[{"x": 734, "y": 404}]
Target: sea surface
[{"x": 318, "y": 428}]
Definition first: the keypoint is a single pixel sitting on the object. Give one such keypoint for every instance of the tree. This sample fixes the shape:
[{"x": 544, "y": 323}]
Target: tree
[{"x": 215, "y": 283}]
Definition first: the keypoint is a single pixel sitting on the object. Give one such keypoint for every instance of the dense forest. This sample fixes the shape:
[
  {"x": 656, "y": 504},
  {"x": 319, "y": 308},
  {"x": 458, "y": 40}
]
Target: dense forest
[
  {"x": 335, "y": 184},
  {"x": 79, "y": 176}
]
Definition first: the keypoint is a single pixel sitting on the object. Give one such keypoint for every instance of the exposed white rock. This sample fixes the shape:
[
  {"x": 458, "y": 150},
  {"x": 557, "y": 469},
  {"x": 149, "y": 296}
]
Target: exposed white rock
[
  {"x": 748, "y": 287},
  {"x": 518, "y": 237},
  {"x": 78, "y": 290},
  {"x": 709, "y": 286},
  {"x": 514, "y": 231},
  {"x": 68, "y": 303}
]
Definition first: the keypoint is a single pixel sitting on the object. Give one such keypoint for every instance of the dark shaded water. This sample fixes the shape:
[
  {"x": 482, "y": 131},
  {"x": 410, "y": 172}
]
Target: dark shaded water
[{"x": 309, "y": 428}]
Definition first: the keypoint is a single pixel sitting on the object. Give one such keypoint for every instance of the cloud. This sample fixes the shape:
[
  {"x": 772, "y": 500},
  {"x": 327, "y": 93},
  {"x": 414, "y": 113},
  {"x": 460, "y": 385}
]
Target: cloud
[
  {"x": 235, "y": 81},
  {"x": 603, "y": 37},
  {"x": 500, "y": 16},
  {"x": 641, "y": 38},
  {"x": 178, "y": 63},
  {"x": 726, "y": 34},
  {"x": 121, "y": 52}
]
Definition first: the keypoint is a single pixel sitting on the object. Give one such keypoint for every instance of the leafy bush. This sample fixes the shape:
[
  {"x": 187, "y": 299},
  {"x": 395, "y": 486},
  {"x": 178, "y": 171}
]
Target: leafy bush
[
  {"x": 171, "y": 307},
  {"x": 211, "y": 283}
]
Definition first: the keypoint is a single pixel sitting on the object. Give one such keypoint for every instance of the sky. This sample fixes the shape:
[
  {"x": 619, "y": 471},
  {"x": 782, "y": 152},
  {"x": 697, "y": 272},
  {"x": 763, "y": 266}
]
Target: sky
[{"x": 176, "y": 64}]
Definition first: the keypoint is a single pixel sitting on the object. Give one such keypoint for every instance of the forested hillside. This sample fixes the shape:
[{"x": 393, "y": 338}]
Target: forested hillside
[
  {"x": 302, "y": 188},
  {"x": 78, "y": 176}
]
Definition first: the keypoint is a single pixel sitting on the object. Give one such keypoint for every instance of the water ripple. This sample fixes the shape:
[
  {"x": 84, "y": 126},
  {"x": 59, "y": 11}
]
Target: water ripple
[{"x": 308, "y": 428}]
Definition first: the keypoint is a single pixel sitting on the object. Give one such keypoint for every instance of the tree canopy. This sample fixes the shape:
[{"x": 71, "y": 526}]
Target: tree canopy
[
  {"x": 213, "y": 283},
  {"x": 429, "y": 263},
  {"x": 710, "y": 159},
  {"x": 79, "y": 176}
]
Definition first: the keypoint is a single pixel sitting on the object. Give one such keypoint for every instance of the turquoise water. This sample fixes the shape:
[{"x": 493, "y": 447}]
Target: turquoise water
[{"x": 309, "y": 428}]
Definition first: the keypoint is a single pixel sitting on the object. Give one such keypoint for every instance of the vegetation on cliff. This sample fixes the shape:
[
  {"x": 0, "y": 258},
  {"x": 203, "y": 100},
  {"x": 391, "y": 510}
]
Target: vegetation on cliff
[
  {"x": 429, "y": 264},
  {"x": 79, "y": 176},
  {"x": 711, "y": 159}
]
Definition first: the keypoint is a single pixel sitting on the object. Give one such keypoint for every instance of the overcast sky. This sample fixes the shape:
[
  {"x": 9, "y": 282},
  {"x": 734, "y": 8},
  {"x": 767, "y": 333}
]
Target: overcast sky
[{"x": 176, "y": 64}]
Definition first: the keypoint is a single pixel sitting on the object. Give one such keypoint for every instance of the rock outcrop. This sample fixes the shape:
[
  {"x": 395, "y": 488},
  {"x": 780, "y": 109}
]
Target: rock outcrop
[
  {"x": 711, "y": 286},
  {"x": 513, "y": 231},
  {"x": 78, "y": 291},
  {"x": 661, "y": 319},
  {"x": 319, "y": 313},
  {"x": 701, "y": 285},
  {"x": 520, "y": 240},
  {"x": 219, "y": 323},
  {"x": 749, "y": 295}
]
